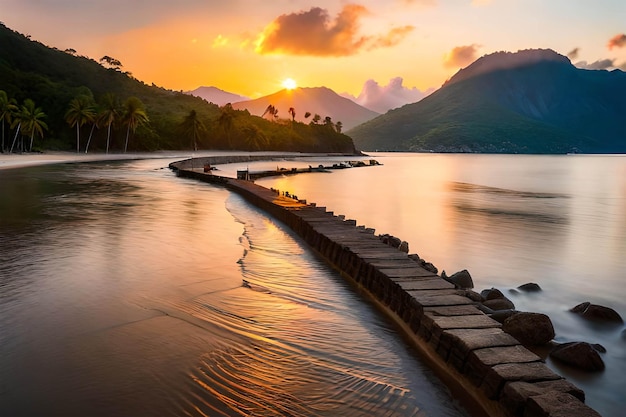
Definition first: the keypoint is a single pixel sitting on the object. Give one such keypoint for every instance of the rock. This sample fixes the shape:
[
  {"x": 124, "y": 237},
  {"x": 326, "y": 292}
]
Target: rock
[
  {"x": 430, "y": 267},
  {"x": 404, "y": 247},
  {"x": 502, "y": 315},
  {"x": 529, "y": 287},
  {"x": 513, "y": 291},
  {"x": 426, "y": 265},
  {"x": 531, "y": 329},
  {"x": 581, "y": 355},
  {"x": 394, "y": 242},
  {"x": 597, "y": 313},
  {"x": 499, "y": 304},
  {"x": 474, "y": 296},
  {"x": 415, "y": 257},
  {"x": 599, "y": 347},
  {"x": 461, "y": 279},
  {"x": 492, "y": 293}
]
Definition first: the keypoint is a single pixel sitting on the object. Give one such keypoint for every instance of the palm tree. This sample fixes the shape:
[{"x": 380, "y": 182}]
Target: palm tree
[
  {"x": 316, "y": 119},
  {"x": 81, "y": 111},
  {"x": 134, "y": 116},
  {"x": 29, "y": 119},
  {"x": 193, "y": 127},
  {"x": 307, "y": 115},
  {"x": 254, "y": 137},
  {"x": 7, "y": 110},
  {"x": 292, "y": 112},
  {"x": 338, "y": 126},
  {"x": 109, "y": 113},
  {"x": 226, "y": 120}
]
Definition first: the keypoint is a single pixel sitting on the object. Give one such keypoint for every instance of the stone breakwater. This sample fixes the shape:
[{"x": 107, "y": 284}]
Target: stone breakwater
[{"x": 488, "y": 370}]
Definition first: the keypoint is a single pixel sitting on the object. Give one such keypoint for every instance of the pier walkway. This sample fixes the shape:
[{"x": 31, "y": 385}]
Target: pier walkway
[{"x": 486, "y": 369}]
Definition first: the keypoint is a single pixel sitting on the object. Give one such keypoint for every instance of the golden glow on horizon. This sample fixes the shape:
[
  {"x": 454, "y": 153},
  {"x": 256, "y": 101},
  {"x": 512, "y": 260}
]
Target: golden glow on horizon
[{"x": 290, "y": 84}]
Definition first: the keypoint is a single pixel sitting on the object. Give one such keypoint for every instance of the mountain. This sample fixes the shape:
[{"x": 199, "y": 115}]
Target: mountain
[
  {"x": 52, "y": 79},
  {"x": 317, "y": 100},
  {"x": 216, "y": 96},
  {"x": 532, "y": 101}
]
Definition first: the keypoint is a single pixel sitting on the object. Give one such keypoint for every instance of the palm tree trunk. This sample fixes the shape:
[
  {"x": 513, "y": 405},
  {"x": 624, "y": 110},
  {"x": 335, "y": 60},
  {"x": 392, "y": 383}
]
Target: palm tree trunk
[
  {"x": 108, "y": 136},
  {"x": 2, "y": 149},
  {"x": 77, "y": 137},
  {"x": 32, "y": 136},
  {"x": 89, "y": 140},
  {"x": 15, "y": 138},
  {"x": 127, "y": 133}
]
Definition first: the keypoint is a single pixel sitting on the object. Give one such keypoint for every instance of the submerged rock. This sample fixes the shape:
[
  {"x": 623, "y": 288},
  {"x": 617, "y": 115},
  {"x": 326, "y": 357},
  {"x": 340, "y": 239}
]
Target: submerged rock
[
  {"x": 529, "y": 287},
  {"x": 531, "y": 329},
  {"x": 581, "y": 355},
  {"x": 597, "y": 313}
]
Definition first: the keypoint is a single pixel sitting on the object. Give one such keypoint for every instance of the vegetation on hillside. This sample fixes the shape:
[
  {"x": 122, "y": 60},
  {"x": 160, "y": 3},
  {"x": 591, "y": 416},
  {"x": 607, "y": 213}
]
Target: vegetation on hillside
[
  {"x": 88, "y": 105},
  {"x": 543, "y": 106}
]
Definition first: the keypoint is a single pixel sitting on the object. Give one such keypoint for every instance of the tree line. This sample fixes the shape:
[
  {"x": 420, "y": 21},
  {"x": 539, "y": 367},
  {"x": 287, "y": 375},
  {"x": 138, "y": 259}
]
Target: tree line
[
  {"x": 26, "y": 121},
  {"x": 24, "y": 125}
]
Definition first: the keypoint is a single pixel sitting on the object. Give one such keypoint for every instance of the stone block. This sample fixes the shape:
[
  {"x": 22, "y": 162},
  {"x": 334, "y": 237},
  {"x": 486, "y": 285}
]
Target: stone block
[
  {"x": 557, "y": 404},
  {"x": 515, "y": 395},
  {"x": 498, "y": 375}
]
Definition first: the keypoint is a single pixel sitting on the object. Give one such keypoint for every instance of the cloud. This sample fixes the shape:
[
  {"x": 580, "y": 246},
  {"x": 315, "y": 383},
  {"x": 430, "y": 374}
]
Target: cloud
[
  {"x": 324, "y": 36},
  {"x": 617, "y": 41},
  {"x": 461, "y": 56},
  {"x": 597, "y": 65},
  {"x": 573, "y": 54},
  {"x": 381, "y": 98}
]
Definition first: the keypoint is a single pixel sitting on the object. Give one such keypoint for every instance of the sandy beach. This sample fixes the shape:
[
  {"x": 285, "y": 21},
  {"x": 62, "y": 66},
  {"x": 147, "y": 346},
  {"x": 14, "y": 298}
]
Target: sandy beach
[{"x": 8, "y": 161}]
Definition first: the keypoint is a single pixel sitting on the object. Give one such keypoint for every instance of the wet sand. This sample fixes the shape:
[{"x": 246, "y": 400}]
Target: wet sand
[{"x": 31, "y": 159}]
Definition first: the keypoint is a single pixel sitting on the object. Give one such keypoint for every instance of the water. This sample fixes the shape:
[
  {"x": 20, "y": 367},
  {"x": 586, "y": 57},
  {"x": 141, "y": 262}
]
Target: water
[
  {"x": 121, "y": 293},
  {"x": 559, "y": 221}
]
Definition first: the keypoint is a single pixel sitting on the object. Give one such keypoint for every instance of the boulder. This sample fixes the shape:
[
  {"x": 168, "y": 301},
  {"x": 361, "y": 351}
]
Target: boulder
[
  {"x": 404, "y": 246},
  {"x": 499, "y": 304},
  {"x": 581, "y": 355},
  {"x": 502, "y": 315},
  {"x": 491, "y": 294},
  {"x": 474, "y": 296},
  {"x": 531, "y": 329},
  {"x": 461, "y": 279},
  {"x": 597, "y": 313},
  {"x": 426, "y": 265},
  {"x": 529, "y": 287}
]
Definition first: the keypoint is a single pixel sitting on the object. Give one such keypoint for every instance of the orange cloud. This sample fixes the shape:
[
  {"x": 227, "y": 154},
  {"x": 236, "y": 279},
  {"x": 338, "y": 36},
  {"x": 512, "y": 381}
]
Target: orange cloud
[
  {"x": 461, "y": 56},
  {"x": 617, "y": 41},
  {"x": 314, "y": 33}
]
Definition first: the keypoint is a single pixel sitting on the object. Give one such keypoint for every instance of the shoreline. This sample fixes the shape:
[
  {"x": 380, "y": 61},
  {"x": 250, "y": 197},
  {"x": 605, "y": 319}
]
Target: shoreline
[
  {"x": 15, "y": 160},
  {"x": 10, "y": 161}
]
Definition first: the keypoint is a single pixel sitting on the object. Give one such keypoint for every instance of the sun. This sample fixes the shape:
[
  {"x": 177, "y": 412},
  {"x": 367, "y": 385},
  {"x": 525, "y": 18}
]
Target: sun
[{"x": 289, "y": 84}]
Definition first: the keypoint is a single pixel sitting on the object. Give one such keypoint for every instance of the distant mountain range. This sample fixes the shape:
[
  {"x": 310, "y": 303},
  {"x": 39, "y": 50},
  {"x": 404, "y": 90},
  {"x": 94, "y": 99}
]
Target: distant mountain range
[
  {"x": 317, "y": 100},
  {"x": 216, "y": 96},
  {"x": 532, "y": 101}
]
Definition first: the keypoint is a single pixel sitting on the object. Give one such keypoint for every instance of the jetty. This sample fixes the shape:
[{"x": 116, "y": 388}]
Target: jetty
[{"x": 486, "y": 369}]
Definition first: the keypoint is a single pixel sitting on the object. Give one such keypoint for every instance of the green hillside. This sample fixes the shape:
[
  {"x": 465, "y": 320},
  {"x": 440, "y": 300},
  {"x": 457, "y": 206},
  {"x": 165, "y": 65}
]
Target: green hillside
[
  {"x": 52, "y": 79},
  {"x": 507, "y": 104}
]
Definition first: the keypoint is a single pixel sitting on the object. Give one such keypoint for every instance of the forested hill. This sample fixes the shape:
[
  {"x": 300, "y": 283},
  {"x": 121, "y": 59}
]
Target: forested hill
[
  {"x": 55, "y": 79},
  {"x": 532, "y": 101}
]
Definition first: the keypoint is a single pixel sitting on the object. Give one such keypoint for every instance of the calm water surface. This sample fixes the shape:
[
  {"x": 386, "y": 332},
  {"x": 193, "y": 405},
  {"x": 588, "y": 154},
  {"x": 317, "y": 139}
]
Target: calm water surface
[
  {"x": 121, "y": 294},
  {"x": 559, "y": 221}
]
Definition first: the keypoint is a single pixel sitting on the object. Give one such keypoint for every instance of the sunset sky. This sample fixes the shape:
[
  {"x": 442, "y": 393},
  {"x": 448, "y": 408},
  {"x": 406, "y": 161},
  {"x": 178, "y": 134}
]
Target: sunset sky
[{"x": 250, "y": 47}]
